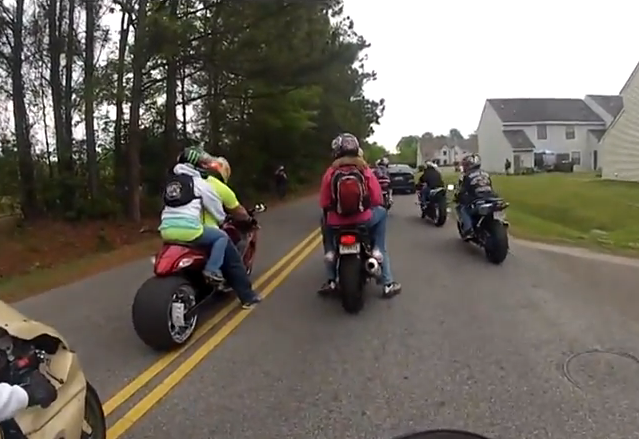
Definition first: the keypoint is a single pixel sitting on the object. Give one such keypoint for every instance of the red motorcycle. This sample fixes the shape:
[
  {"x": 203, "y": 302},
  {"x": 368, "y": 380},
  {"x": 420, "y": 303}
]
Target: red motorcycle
[{"x": 165, "y": 308}]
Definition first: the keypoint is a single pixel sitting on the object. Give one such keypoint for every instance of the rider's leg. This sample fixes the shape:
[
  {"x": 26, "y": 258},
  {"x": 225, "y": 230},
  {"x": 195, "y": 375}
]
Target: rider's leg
[
  {"x": 464, "y": 216},
  {"x": 217, "y": 240},
  {"x": 328, "y": 242},
  {"x": 236, "y": 277},
  {"x": 377, "y": 227},
  {"x": 424, "y": 194}
]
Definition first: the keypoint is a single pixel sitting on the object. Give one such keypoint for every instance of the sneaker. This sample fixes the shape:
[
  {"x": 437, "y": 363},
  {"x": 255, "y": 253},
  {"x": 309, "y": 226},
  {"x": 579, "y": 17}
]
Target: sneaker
[
  {"x": 327, "y": 288},
  {"x": 213, "y": 277},
  {"x": 251, "y": 303},
  {"x": 391, "y": 290},
  {"x": 467, "y": 235}
]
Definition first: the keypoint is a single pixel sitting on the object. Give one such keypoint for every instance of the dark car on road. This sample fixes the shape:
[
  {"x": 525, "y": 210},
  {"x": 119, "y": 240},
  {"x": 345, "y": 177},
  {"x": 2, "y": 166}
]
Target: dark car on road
[{"x": 402, "y": 178}]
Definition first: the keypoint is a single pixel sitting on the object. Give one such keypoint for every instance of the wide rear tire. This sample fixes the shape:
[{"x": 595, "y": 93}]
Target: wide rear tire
[
  {"x": 496, "y": 246},
  {"x": 151, "y": 312},
  {"x": 351, "y": 283}
]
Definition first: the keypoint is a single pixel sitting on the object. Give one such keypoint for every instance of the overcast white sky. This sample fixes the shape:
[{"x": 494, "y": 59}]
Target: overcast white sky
[{"x": 438, "y": 61}]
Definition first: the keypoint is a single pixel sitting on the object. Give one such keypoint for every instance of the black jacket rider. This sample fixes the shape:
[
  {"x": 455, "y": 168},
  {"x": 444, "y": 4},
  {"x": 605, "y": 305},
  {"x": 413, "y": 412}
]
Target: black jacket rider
[
  {"x": 431, "y": 178},
  {"x": 473, "y": 185}
]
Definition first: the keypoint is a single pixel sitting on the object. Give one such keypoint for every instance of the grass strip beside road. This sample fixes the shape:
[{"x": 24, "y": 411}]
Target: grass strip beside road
[
  {"x": 572, "y": 208},
  {"x": 134, "y": 386},
  {"x": 155, "y": 396}
]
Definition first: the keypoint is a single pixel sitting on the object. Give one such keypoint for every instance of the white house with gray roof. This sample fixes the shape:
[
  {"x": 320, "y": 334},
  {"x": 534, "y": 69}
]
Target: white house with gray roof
[
  {"x": 515, "y": 129},
  {"x": 620, "y": 143}
]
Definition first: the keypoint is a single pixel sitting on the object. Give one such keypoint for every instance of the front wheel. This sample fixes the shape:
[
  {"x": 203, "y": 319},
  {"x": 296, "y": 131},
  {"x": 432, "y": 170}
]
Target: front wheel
[
  {"x": 158, "y": 312},
  {"x": 351, "y": 283},
  {"x": 94, "y": 423},
  {"x": 496, "y": 244}
]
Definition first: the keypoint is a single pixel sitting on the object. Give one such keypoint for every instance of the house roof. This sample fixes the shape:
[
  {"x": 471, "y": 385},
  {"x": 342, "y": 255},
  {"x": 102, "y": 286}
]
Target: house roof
[
  {"x": 518, "y": 139},
  {"x": 544, "y": 110},
  {"x": 597, "y": 133},
  {"x": 610, "y": 104}
]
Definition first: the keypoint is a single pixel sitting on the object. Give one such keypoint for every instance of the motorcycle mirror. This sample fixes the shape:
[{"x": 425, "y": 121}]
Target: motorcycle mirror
[
  {"x": 442, "y": 434},
  {"x": 450, "y": 187},
  {"x": 259, "y": 208}
]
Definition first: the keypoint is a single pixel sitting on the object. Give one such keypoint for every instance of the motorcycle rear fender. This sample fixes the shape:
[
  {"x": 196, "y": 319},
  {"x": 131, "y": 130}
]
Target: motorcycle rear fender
[
  {"x": 63, "y": 418},
  {"x": 173, "y": 258}
]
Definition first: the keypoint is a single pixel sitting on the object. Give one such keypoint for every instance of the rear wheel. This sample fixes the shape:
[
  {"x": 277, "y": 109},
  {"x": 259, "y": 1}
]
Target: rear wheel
[
  {"x": 351, "y": 283},
  {"x": 159, "y": 309},
  {"x": 496, "y": 245},
  {"x": 94, "y": 423},
  {"x": 442, "y": 213}
]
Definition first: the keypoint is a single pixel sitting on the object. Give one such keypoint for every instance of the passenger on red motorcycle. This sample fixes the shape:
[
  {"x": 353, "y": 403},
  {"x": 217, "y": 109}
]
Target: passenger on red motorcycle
[
  {"x": 350, "y": 195},
  {"x": 186, "y": 197},
  {"x": 236, "y": 276}
]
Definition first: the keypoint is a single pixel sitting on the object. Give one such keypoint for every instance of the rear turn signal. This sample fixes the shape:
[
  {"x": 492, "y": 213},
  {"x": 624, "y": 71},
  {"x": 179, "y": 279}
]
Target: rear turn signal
[{"x": 347, "y": 239}]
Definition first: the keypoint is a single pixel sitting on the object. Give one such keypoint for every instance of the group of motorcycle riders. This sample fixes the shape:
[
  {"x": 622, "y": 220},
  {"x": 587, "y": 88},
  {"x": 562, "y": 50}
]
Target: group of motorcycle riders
[{"x": 197, "y": 199}]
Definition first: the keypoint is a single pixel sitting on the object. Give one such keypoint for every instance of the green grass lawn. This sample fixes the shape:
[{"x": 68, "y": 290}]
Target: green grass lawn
[{"x": 572, "y": 208}]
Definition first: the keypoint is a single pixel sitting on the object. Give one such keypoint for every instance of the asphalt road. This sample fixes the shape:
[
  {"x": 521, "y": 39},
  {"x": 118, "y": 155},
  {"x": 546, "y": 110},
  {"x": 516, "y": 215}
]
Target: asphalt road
[{"x": 502, "y": 351}]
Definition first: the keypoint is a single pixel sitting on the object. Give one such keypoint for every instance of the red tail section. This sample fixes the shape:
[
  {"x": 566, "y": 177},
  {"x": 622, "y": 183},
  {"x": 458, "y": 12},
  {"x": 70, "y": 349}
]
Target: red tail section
[{"x": 173, "y": 258}]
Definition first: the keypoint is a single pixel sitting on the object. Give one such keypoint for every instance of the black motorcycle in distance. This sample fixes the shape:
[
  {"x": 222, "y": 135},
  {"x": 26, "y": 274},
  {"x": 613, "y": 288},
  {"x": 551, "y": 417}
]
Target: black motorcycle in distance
[
  {"x": 436, "y": 208},
  {"x": 490, "y": 228}
]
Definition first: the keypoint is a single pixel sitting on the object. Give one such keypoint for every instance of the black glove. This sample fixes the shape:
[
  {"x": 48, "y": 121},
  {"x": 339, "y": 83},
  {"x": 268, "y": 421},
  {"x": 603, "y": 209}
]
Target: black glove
[{"x": 40, "y": 390}]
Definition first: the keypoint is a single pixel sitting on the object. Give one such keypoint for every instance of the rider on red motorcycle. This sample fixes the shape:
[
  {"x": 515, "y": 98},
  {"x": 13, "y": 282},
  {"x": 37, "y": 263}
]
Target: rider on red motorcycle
[
  {"x": 233, "y": 267},
  {"x": 186, "y": 197},
  {"x": 350, "y": 181}
]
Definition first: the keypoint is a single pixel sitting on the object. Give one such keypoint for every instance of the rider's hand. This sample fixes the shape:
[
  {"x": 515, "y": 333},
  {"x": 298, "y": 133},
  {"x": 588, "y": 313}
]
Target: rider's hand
[{"x": 40, "y": 390}]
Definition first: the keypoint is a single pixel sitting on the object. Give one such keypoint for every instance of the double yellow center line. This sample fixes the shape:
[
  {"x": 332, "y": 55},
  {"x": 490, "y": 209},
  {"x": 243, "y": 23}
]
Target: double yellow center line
[{"x": 291, "y": 260}]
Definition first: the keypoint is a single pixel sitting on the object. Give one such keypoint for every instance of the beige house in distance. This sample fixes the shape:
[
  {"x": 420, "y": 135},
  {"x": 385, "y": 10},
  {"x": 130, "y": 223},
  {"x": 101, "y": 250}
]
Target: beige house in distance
[{"x": 619, "y": 145}]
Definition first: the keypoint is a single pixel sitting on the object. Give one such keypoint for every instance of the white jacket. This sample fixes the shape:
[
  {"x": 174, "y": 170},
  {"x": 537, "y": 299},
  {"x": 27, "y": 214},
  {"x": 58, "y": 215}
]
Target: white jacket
[{"x": 12, "y": 400}]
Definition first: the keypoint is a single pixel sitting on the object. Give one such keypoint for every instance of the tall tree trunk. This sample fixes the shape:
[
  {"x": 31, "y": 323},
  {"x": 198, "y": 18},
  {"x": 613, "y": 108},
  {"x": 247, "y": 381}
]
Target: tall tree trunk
[
  {"x": 92, "y": 157},
  {"x": 185, "y": 132},
  {"x": 170, "y": 121},
  {"x": 68, "y": 77},
  {"x": 119, "y": 170},
  {"x": 135, "y": 135},
  {"x": 63, "y": 148},
  {"x": 28, "y": 200}
]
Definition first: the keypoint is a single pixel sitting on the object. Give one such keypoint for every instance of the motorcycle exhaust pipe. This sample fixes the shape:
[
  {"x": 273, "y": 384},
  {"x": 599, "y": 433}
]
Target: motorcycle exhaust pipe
[{"x": 373, "y": 268}]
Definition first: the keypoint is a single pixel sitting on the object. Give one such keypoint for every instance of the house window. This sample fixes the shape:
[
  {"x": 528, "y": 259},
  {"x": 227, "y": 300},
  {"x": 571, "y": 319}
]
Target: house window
[
  {"x": 542, "y": 133},
  {"x": 575, "y": 157},
  {"x": 570, "y": 132},
  {"x": 444, "y": 152}
]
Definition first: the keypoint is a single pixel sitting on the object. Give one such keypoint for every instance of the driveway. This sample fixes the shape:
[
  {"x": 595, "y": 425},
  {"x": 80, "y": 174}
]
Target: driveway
[{"x": 540, "y": 347}]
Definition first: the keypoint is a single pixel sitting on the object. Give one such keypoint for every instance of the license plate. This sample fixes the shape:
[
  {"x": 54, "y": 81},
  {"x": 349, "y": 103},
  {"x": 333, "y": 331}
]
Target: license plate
[
  {"x": 501, "y": 216},
  {"x": 349, "y": 249},
  {"x": 177, "y": 314}
]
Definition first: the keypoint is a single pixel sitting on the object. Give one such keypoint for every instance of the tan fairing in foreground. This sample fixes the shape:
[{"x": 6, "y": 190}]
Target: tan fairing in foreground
[{"x": 64, "y": 418}]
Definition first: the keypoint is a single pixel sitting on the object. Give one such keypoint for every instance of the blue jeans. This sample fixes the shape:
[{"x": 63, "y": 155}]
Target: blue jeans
[
  {"x": 424, "y": 194},
  {"x": 377, "y": 230},
  {"x": 217, "y": 240},
  {"x": 235, "y": 273},
  {"x": 463, "y": 212}
]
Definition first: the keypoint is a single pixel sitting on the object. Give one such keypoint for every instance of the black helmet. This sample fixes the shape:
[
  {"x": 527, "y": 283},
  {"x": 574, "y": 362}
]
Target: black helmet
[{"x": 197, "y": 158}]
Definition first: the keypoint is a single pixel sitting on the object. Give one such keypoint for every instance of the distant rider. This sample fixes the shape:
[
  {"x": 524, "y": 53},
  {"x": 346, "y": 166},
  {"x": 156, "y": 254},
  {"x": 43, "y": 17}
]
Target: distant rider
[
  {"x": 430, "y": 179},
  {"x": 186, "y": 197},
  {"x": 383, "y": 176},
  {"x": 38, "y": 391},
  {"x": 233, "y": 266},
  {"x": 349, "y": 195},
  {"x": 474, "y": 184},
  {"x": 281, "y": 181}
]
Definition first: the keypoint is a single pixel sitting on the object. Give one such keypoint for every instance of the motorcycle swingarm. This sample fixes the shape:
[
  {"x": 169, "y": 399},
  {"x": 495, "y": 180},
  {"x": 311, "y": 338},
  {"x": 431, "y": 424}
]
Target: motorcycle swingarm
[{"x": 212, "y": 296}]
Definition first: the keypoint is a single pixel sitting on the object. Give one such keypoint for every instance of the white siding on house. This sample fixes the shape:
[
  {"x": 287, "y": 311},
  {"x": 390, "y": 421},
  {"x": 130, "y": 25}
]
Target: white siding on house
[
  {"x": 620, "y": 144},
  {"x": 493, "y": 147},
  {"x": 556, "y": 141}
]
